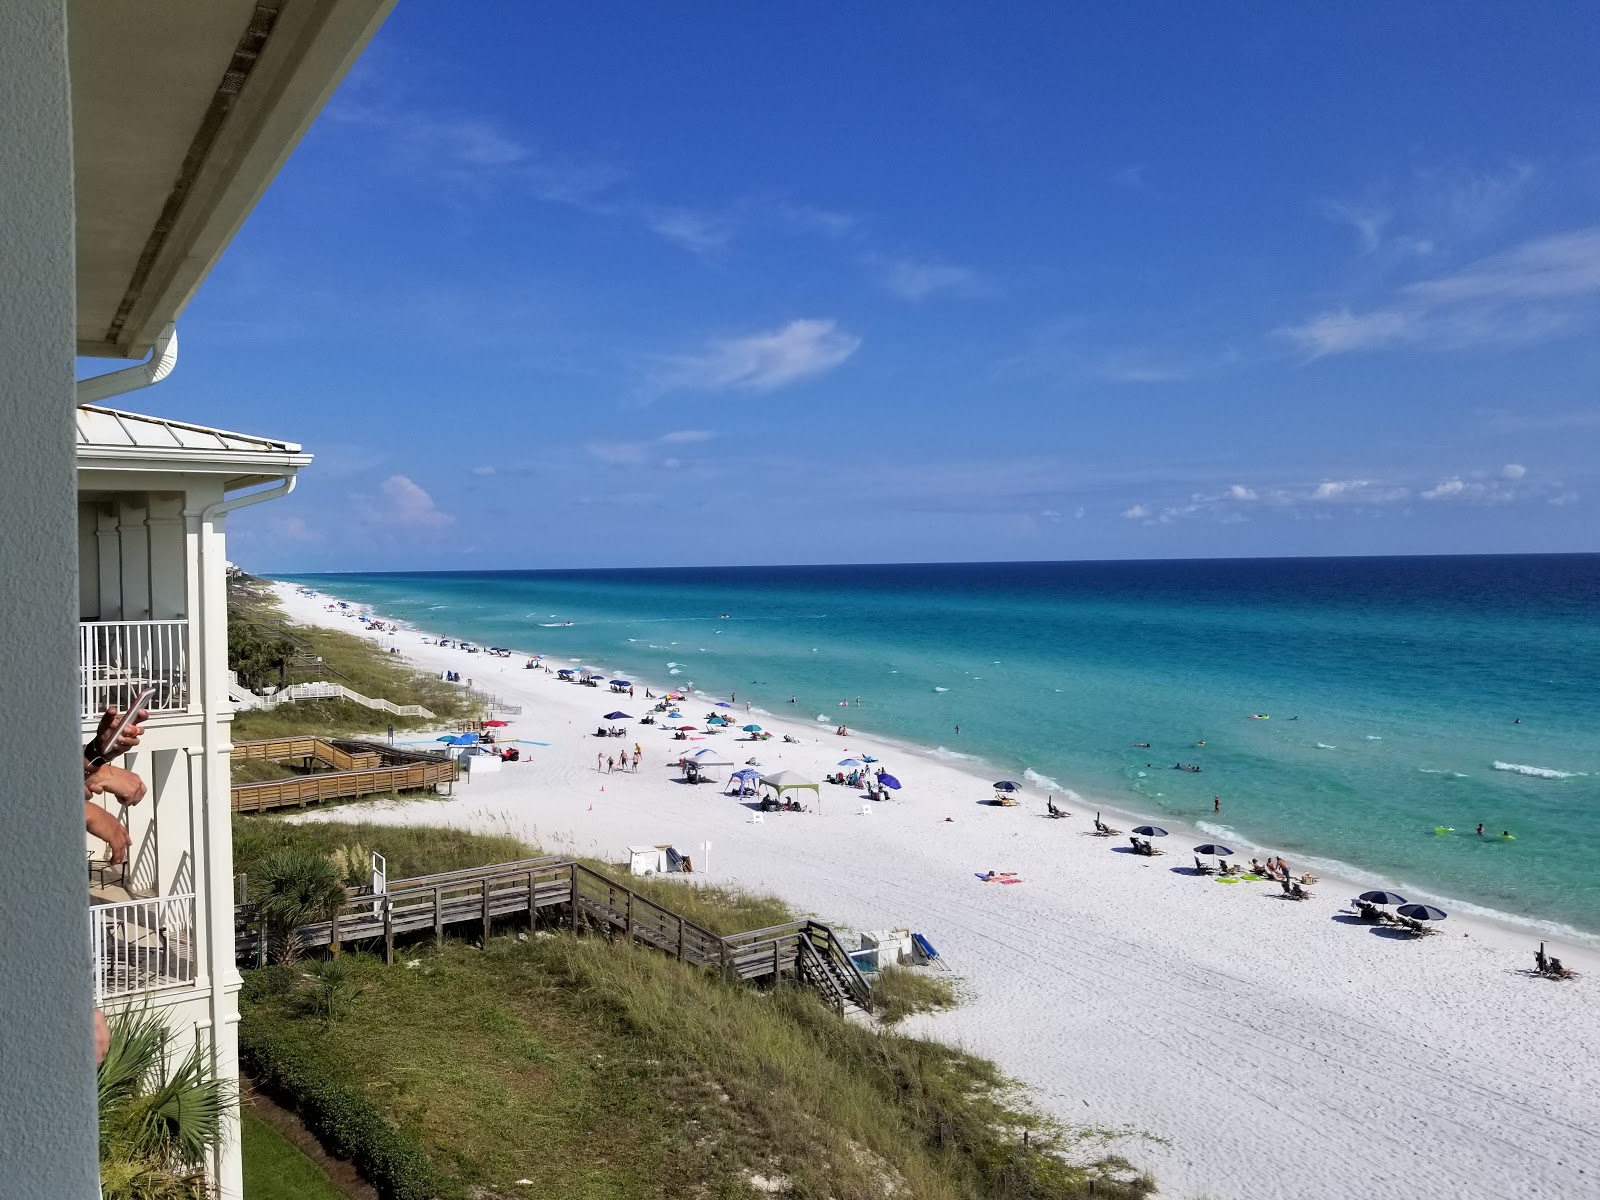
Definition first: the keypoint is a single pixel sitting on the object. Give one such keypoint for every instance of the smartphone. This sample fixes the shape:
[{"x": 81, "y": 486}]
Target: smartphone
[{"x": 126, "y": 718}]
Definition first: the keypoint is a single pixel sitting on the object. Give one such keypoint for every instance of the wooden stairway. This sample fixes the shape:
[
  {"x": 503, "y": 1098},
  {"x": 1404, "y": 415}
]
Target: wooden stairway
[{"x": 807, "y": 951}]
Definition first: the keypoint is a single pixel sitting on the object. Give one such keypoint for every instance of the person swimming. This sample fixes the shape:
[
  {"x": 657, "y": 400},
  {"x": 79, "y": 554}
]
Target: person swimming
[{"x": 1480, "y": 828}]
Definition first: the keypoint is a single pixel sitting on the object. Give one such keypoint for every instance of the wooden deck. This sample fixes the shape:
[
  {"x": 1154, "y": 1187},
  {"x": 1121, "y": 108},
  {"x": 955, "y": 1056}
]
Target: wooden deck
[
  {"x": 360, "y": 769},
  {"x": 578, "y": 897}
]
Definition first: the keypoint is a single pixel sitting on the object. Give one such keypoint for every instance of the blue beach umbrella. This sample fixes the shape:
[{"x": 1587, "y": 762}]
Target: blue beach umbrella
[
  {"x": 617, "y": 716},
  {"x": 752, "y": 729},
  {"x": 622, "y": 682},
  {"x": 464, "y": 739},
  {"x": 889, "y": 781},
  {"x": 1212, "y": 850},
  {"x": 449, "y": 737},
  {"x": 1382, "y": 898},
  {"x": 1008, "y": 785},
  {"x": 850, "y": 762},
  {"x": 703, "y": 753},
  {"x": 1153, "y": 831},
  {"x": 716, "y": 721},
  {"x": 723, "y": 704},
  {"x": 1422, "y": 912}
]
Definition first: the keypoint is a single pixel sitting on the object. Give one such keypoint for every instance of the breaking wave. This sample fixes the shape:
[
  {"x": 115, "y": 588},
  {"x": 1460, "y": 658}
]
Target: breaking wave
[{"x": 1541, "y": 772}]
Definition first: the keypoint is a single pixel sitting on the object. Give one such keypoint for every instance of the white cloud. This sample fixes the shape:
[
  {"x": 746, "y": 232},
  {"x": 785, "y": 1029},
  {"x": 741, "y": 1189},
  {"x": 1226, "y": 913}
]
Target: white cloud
[
  {"x": 763, "y": 362},
  {"x": 1445, "y": 489},
  {"x": 1239, "y": 492},
  {"x": 1513, "y": 471},
  {"x": 1540, "y": 289},
  {"x": 483, "y": 470},
  {"x": 407, "y": 505},
  {"x": 1368, "y": 223},
  {"x": 911, "y": 279},
  {"x": 700, "y": 232},
  {"x": 618, "y": 453},
  {"x": 679, "y": 437},
  {"x": 294, "y": 529},
  {"x": 1079, "y": 513},
  {"x": 1137, "y": 513}
]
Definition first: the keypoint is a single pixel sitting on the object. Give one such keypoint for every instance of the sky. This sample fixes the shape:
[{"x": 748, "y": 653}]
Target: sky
[{"x": 627, "y": 285}]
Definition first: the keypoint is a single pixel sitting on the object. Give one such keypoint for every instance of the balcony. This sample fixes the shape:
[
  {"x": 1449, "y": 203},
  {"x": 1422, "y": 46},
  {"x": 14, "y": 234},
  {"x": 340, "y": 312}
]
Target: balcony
[
  {"x": 142, "y": 945},
  {"x": 119, "y": 659}
]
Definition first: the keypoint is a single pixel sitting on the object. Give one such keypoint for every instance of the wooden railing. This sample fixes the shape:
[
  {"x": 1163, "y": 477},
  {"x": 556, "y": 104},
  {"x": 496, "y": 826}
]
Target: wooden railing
[
  {"x": 361, "y": 769},
  {"x": 805, "y": 950},
  {"x": 334, "y": 691}
]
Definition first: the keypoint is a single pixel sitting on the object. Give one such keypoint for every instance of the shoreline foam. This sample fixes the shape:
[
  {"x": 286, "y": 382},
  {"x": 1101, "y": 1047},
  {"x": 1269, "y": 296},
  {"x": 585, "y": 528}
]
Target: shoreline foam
[{"x": 1105, "y": 970}]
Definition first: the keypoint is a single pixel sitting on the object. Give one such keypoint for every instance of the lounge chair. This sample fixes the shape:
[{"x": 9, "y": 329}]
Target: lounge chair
[
  {"x": 1204, "y": 868},
  {"x": 1298, "y": 892}
]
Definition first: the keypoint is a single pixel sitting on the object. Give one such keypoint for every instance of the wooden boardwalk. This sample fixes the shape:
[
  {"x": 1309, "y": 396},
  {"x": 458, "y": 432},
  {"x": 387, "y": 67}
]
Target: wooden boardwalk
[
  {"x": 360, "y": 769},
  {"x": 579, "y": 897}
]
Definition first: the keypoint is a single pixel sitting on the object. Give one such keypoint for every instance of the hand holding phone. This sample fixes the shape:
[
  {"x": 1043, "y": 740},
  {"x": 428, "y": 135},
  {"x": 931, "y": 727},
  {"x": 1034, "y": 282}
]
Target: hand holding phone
[{"x": 108, "y": 744}]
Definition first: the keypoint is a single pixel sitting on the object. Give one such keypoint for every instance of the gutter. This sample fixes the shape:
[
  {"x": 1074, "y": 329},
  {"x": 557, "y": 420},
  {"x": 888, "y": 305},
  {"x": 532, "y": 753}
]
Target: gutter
[{"x": 163, "y": 357}]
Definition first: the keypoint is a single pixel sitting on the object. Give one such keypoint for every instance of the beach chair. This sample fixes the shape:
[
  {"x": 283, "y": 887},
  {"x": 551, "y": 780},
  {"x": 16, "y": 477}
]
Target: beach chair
[{"x": 1204, "y": 868}]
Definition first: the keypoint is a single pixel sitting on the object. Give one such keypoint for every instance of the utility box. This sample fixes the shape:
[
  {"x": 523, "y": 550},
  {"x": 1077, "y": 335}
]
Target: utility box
[
  {"x": 886, "y": 947},
  {"x": 647, "y": 860},
  {"x": 479, "y": 764}
]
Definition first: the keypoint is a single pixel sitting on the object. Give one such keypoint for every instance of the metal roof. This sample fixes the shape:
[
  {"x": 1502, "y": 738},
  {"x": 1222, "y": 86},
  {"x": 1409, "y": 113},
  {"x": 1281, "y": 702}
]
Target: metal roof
[{"x": 114, "y": 429}]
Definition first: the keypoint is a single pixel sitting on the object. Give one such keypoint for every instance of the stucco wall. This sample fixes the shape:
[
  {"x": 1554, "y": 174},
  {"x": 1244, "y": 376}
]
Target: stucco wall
[{"x": 47, "y": 1139}]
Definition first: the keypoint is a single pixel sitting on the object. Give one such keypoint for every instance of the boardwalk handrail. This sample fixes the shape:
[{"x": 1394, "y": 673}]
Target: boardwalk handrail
[{"x": 808, "y": 949}]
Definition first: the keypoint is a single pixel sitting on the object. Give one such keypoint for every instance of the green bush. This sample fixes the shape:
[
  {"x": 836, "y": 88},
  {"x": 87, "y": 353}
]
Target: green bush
[{"x": 349, "y": 1125}]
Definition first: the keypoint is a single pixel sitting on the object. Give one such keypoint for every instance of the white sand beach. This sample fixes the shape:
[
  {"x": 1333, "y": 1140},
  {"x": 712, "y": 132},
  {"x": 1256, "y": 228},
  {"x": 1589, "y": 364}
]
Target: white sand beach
[{"x": 1269, "y": 1048}]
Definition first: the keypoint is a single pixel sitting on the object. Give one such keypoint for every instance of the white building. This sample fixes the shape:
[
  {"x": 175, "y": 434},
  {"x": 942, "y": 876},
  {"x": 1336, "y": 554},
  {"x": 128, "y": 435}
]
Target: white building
[
  {"x": 152, "y": 499},
  {"x": 135, "y": 138}
]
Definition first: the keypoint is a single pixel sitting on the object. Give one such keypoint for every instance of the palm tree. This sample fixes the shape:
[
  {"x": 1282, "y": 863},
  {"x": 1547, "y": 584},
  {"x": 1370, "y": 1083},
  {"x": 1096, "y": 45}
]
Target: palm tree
[
  {"x": 160, "y": 1119},
  {"x": 295, "y": 887}
]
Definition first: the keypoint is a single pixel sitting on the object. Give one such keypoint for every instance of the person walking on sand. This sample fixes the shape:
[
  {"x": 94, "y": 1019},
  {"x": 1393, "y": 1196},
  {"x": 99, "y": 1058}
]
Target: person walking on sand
[{"x": 599, "y": 761}]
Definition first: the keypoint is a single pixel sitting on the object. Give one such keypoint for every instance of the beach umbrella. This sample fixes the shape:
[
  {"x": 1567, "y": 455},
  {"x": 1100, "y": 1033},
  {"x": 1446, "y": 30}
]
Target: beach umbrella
[
  {"x": 687, "y": 728},
  {"x": 1212, "y": 850},
  {"x": 1153, "y": 831},
  {"x": 1382, "y": 898},
  {"x": 889, "y": 781},
  {"x": 449, "y": 737},
  {"x": 464, "y": 739},
  {"x": 1422, "y": 912},
  {"x": 715, "y": 721},
  {"x": 622, "y": 682},
  {"x": 703, "y": 753},
  {"x": 1007, "y": 785},
  {"x": 850, "y": 762},
  {"x": 752, "y": 729},
  {"x": 723, "y": 704},
  {"x": 617, "y": 716},
  {"x": 496, "y": 724}
]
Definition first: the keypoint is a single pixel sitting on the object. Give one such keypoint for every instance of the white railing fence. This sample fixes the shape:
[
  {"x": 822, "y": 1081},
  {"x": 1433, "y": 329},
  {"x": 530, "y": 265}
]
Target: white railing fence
[
  {"x": 119, "y": 659},
  {"x": 327, "y": 691},
  {"x": 142, "y": 945}
]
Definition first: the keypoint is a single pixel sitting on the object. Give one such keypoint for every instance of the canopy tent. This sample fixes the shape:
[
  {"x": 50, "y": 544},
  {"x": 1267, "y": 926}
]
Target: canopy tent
[{"x": 787, "y": 781}]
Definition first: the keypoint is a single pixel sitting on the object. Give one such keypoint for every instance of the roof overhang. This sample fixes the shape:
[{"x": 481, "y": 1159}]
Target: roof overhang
[
  {"x": 111, "y": 440},
  {"x": 183, "y": 112}
]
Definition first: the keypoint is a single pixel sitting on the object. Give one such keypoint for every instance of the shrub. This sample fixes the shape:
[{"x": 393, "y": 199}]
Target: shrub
[
  {"x": 348, "y": 1124},
  {"x": 294, "y": 887}
]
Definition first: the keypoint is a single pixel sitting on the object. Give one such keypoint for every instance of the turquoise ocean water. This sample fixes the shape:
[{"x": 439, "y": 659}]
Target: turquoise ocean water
[{"x": 1404, "y": 676}]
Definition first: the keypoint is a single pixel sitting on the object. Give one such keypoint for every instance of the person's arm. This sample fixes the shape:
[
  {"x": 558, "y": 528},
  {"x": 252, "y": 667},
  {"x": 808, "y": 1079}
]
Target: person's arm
[
  {"x": 108, "y": 829},
  {"x": 122, "y": 783}
]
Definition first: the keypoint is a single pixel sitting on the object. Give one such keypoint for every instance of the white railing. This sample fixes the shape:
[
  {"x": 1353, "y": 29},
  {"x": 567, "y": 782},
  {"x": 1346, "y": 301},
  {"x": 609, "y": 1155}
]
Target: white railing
[
  {"x": 142, "y": 945},
  {"x": 328, "y": 691},
  {"x": 119, "y": 659}
]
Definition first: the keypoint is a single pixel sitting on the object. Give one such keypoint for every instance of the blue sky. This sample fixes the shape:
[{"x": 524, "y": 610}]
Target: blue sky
[{"x": 634, "y": 285}]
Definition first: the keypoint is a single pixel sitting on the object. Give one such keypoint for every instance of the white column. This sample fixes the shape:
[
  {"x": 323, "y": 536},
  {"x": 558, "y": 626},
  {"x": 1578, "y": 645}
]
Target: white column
[
  {"x": 169, "y": 598},
  {"x": 110, "y": 563},
  {"x": 135, "y": 543},
  {"x": 48, "y": 1142},
  {"x": 208, "y": 624}
]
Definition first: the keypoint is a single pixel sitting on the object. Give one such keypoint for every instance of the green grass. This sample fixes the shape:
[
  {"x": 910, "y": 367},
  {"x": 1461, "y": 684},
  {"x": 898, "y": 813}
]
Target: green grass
[
  {"x": 898, "y": 992},
  {"x": 262, "y": 770},
  {"x": 275, "y": 1169},
  {"x": 603, "y": 1071}
]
